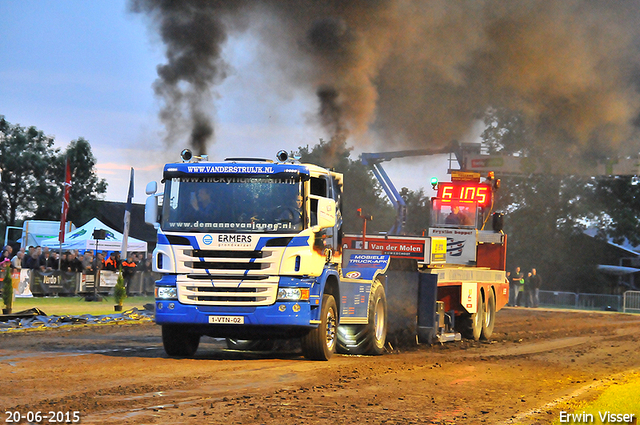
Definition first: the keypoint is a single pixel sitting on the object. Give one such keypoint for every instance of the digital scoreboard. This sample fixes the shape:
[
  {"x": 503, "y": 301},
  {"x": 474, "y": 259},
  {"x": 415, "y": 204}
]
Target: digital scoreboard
[{"x": 466, "y": 192}]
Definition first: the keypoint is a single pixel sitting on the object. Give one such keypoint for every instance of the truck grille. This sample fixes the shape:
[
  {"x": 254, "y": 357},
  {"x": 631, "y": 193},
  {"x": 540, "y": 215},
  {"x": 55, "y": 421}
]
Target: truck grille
[
  {"x": 226, "y": 293},
  {"x": 226, "y": 277}
]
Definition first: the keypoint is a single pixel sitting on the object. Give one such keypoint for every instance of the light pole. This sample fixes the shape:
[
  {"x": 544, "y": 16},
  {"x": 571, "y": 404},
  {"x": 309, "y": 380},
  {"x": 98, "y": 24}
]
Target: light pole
[{"x": 98, "y": 235}]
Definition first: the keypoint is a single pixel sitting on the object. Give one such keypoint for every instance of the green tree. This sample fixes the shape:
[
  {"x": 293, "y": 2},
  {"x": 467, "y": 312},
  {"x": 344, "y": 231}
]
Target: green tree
[
  {"x": 86, "y": 187},
  {"x": 545, "y": 220},
  {"x": 418, "y": 211},
  {"x": 360, "y": 190},
  {"x": 26, "y": 155},
  {"x": 619, "y": 205},
  {"x": 33, "y": 175},
  {"x": 547, "y": 213}
]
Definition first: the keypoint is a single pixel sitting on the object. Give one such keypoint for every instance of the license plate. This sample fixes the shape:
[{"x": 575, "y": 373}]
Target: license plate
[{"x": 227, "y": 320}]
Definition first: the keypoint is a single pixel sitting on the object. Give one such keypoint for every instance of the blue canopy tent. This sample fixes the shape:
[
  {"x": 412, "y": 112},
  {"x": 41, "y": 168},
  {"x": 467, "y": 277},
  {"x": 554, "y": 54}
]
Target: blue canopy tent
[{"x": 82, "y": 239}]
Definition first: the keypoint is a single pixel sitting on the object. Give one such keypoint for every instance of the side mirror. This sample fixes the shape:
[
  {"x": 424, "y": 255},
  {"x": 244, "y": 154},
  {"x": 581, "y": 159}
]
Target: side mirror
[
  {"x": 152, "y": 188},
  {"x": 151, "y": 210},
  {"x": 326, "y": 213}
]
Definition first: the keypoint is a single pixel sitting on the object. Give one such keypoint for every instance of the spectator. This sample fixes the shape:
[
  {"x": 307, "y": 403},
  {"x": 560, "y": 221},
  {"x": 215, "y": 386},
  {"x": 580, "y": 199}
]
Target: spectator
[
  {"x": 98, "y": 263},
  {"x": 128, "y": 270},
  {"x": 137, "y": 258},
  {"x": 87, "y": 262},
  {"x": 54, "y": 261},
  {"x": 16, "y": 261},
  {"x": 44, "y": 260},
  {"x": 535, "y": 281},
  {"x": 7, "y": 253},
  {"x": 526, "y": 291},
  {"x": 6, "y": 256},
  {"x": 515, "y": 284},
  {"x": 44, "y": 255},
  {"x": 33, "y": 263},
  {"x": 75, "y": 265},
  {"x": 26, "y": 257},
  {"x": 111, "y": 263},
  {"x": 64, "y": 261}
]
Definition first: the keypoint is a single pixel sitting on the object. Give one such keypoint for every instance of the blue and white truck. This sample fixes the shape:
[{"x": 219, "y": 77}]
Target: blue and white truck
[{"x": 251, "y": 250}]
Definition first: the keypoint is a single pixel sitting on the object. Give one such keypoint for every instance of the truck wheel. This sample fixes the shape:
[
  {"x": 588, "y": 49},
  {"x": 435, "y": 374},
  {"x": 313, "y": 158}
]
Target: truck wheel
[
  {"x": 370, "y": 338},
  {"x": 320, "y": 343},
  {"x": 489, "y": 316},
  {"x": 178, "y": 342},
  {"x": 250, "y": 344},
  {"x": 470, "y": 325}
]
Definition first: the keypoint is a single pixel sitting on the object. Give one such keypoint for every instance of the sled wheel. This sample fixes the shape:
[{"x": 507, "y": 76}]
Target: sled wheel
[
  {"x": 470, "y": 325},
  {"x": 489, "y": 316}
]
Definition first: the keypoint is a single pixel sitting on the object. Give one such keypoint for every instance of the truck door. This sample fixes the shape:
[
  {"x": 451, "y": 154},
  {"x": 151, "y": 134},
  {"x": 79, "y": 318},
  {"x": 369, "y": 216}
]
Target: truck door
[{"x": 322, "y": 186}]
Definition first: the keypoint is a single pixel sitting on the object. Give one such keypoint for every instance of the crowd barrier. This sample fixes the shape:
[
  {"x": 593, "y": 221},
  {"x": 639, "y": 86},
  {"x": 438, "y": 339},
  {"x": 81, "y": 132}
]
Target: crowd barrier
[
  {"x": 588, "y": 301},
  {"x": 631, "y": 302},
  {"x": 28, "y": 283}
]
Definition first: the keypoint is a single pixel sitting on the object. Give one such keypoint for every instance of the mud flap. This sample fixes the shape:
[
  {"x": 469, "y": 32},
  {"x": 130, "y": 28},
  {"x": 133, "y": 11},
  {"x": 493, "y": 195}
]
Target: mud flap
[{"x": 427, "y": 317}]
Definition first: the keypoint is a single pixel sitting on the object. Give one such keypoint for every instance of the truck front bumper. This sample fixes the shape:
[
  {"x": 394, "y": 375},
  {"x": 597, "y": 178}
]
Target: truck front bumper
[{"x": 278, "y": 314}]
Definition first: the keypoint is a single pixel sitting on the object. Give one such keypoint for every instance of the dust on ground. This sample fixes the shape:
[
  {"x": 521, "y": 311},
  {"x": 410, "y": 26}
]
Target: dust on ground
[{"x": 537, "y": 361}]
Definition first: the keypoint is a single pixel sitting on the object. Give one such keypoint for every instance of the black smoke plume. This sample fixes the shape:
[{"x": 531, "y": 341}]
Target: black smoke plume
[{"x": 419, "y": 72}]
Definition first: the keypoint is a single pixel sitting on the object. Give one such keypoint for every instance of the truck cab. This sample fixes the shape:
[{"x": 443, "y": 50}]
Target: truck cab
[{"x": 249, "y": 249}]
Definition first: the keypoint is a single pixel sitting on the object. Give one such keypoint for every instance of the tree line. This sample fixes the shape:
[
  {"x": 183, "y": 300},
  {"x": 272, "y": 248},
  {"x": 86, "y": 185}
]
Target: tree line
[
  {"x": 545, "y": 214},
  {"x": 33, "y": 175}
]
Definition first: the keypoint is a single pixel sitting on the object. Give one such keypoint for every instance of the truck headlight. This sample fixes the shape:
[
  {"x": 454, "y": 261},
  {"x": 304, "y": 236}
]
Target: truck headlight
[
  {"x": 167, "y": 292},
  {"x": 293, "y": 294}
]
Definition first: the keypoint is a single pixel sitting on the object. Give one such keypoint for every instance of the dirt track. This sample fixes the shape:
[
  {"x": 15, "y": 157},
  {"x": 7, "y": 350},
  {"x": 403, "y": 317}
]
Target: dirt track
[{"x": 119, "y": 374}]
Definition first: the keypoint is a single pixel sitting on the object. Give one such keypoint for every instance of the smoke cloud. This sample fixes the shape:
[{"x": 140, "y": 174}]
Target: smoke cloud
[{"x": 418, "y": 73}]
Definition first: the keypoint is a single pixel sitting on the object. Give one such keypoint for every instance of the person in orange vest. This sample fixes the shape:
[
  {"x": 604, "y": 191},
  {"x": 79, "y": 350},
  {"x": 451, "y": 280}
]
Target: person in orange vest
[
  {"x": 128, "y": 269},
  {"x": 111, "y": 263}
]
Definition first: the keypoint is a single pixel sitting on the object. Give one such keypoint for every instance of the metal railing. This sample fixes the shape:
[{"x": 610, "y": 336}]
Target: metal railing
[
  {"x": 558, "y": 299},
  {"x": 631, "y": 302},
  {"x": 36, "y": 282},
  {"x": 583, "y": 301}
]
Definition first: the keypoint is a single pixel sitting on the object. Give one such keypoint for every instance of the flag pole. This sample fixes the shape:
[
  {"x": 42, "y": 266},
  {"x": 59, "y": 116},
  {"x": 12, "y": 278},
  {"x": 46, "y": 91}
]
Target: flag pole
[
  {"x": 127, "y": 219},
  {"x": 65, "y": 209}
]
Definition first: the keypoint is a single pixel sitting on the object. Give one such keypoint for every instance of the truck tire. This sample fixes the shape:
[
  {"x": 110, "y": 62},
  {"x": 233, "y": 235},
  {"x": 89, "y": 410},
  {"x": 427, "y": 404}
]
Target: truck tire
[
  {"x": 178, "y": 342},
  {"x": 367, "y": 339},
  {"x": 320, "y": 343},
  {"x": 489, "y": 316},
  {"x": 470, "y": 325},
  {"x": 250, "y": 344}
]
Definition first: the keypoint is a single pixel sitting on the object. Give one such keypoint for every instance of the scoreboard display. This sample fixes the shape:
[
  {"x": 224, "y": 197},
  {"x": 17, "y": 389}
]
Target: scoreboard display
[{"x": 466, "y": 192}]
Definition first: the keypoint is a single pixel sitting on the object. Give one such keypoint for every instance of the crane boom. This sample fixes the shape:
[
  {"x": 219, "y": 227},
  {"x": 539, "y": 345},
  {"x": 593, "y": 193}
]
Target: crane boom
[{"x": 374, "y": 160}]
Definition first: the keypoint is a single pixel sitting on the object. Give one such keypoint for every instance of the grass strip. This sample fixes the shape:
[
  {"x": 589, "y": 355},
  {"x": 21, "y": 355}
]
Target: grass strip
[
  {"x": 76, "y": 306},
  {"x": 620, "y": 398}
]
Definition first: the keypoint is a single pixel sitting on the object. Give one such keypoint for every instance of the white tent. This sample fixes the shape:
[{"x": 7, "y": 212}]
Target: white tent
[{"x": 82, "y": 239}]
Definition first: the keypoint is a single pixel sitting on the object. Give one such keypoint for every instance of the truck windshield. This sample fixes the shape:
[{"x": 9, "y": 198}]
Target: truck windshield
[{"x": 232, "y": 204}]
